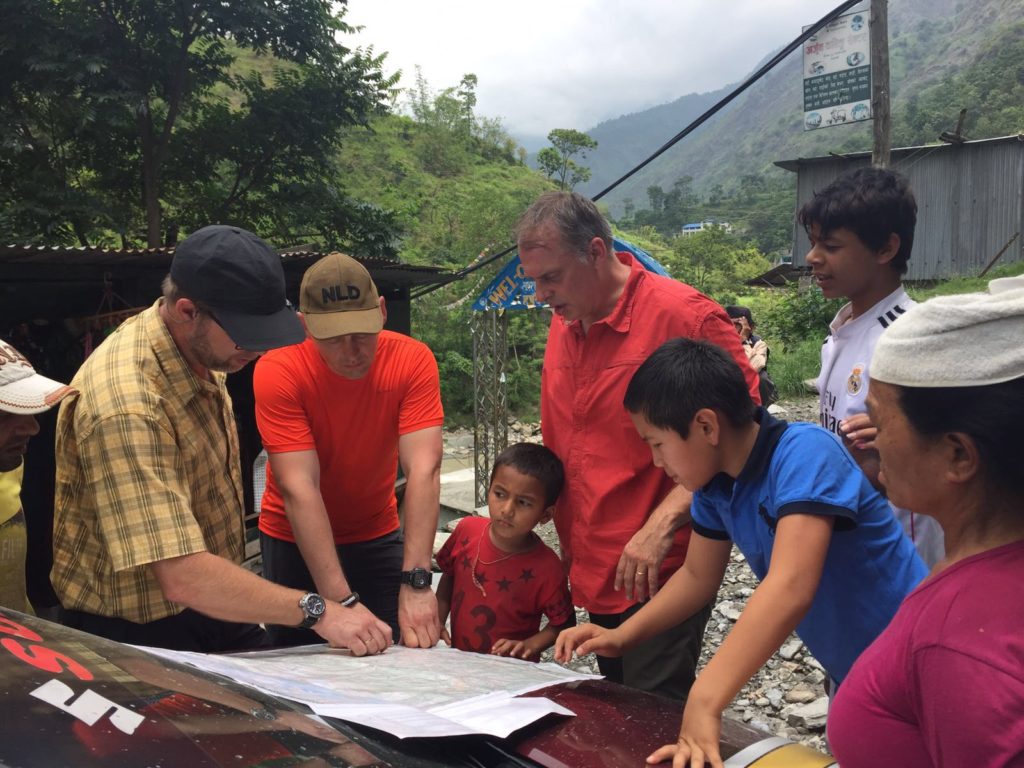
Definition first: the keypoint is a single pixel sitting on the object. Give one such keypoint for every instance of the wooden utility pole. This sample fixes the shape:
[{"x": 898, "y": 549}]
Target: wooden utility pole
[{"x": 880, "y": 83}]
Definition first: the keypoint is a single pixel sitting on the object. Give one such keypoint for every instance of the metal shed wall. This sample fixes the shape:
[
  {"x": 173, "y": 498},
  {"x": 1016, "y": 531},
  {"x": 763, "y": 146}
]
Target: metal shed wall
[{"x": 970, "y": 201}]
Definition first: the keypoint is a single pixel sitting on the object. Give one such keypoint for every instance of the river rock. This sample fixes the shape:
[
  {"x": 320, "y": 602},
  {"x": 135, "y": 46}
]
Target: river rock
[
  {"x": 811, "y": 716},
  {"x": 790, "y": 649},
  {"x": 800, "y": 694}
]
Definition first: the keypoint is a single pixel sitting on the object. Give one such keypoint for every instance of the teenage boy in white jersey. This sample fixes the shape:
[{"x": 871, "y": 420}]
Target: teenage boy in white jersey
[{"x": 861, "y": 228}]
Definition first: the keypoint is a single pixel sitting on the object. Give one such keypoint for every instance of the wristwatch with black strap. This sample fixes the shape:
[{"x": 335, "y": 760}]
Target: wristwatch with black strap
[
  {"x": 313, "y": 607},
  {"x": 417, "y": 578}
]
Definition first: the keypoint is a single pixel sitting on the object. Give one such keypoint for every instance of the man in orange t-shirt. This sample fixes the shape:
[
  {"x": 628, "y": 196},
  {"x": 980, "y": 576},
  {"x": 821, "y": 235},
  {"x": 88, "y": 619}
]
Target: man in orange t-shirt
[{"x": 338, "y": 414}]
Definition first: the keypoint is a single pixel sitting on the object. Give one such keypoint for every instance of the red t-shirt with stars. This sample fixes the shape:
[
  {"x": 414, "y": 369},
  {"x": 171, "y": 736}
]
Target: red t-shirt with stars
[{"x": 519, "y": 589}]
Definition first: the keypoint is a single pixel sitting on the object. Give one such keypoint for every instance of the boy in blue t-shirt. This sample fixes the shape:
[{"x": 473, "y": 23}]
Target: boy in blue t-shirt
[{"x": 833, "y": 563}]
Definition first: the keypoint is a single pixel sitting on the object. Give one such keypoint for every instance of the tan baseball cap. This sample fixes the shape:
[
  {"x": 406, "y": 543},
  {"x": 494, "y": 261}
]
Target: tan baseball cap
[{"x": 338, "y": 297}]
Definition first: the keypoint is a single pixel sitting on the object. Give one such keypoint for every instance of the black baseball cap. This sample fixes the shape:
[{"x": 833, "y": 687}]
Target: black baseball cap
[{"x": 240, "y": 278}]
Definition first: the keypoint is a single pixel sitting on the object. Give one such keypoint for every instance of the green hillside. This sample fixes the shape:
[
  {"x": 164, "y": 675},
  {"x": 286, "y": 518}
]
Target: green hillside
[
  {"x": 453, "y": 194},
  {"x": 457, "y": 184}
]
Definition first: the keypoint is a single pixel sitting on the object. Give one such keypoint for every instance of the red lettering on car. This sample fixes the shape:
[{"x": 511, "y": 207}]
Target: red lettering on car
[
  {"x": 46, "y": 659},
  {"x": 9, "y": 627}
]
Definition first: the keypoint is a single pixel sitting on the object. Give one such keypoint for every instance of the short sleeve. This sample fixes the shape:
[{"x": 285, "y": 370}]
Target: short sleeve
[
  {"x": 555, "y": 602},
  {"x": 280, "y": 415},
  {"x": 705, "y": 520},
  {"x": 421, "y": 404},
  {"x": 446, "y": 555},
  {"x": 811, "y": 473},
  {"x": 137, "y": 476}
]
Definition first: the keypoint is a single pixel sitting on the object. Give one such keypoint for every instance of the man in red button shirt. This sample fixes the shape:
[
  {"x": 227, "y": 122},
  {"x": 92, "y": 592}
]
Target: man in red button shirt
[{"x": 622, "y": 523}]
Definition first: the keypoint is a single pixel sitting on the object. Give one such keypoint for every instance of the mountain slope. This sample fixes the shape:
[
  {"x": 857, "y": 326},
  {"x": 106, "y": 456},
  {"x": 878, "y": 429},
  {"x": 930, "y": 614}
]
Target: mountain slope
[{"x": 945, "y": 55}]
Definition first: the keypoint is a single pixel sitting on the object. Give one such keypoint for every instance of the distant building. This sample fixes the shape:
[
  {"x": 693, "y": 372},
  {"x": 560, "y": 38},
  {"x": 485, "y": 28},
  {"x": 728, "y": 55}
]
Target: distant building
[
  {"x": 700, "y": 226},
  {"x": 970, "y": 202}
]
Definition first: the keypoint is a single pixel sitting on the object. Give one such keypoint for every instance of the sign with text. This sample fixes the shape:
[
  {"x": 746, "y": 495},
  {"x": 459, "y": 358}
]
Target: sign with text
[{"x": 837, "y": 73}]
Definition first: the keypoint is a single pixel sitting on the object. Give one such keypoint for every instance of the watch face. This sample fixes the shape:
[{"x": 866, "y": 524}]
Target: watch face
[
  {"x": 318, "y": 606},
  {"x": 314, "y": 605},
  {"x": 417, "y": 578}
]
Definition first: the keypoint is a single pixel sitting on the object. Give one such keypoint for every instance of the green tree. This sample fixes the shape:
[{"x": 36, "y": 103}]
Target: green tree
[
  {"x": 557, "y": 161},
  {"x": 111, "y": 98},
  {"x": 761, "y": 208},
  {"x": 467, "y": 96},
  {"x": 669, "y": 211},
  {"x": 715, "y": 262},
  {"x": 449, "y": 131},
  {"x": 451, "y": 216},
  {"x": 44, "y": 104},
  {"x": 802, "y": 314}
]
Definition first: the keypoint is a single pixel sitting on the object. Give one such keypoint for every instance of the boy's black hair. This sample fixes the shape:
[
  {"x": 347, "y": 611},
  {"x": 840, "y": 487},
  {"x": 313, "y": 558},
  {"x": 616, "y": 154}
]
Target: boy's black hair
[
  {"x": 734, "y": 311},
  {"x": 535, "y": 461},
  {"x": 681, "y": 377},
  {"x": 991, "y": 415},
  {"x": 870, "y": 202}
]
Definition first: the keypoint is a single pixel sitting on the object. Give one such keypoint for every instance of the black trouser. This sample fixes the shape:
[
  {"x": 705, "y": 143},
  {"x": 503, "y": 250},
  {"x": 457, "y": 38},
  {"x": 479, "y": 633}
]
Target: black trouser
[
  {"x": 372, "y": 568},
  {"x": 666, "y": 664},
  {"x": 186, "y": 631}
]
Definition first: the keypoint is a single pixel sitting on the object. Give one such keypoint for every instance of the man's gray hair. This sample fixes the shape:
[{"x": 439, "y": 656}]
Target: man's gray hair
[
  {"x": 171, "y": 293},
  {"x": 170, "y": 290},
  {"x": 574, "y": 216}
]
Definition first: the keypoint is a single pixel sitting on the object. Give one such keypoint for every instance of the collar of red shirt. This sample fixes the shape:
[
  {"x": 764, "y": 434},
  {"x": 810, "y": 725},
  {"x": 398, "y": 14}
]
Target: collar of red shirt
[{"x": 619, "y": 318}]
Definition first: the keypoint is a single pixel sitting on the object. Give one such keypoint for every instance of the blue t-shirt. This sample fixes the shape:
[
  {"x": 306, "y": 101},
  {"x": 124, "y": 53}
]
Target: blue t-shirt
[{"x": 871, "y": 565}]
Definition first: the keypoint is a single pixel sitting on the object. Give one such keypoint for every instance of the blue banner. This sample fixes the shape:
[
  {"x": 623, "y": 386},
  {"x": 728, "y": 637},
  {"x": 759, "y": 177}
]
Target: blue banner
[{"x": 511, "y": 289}]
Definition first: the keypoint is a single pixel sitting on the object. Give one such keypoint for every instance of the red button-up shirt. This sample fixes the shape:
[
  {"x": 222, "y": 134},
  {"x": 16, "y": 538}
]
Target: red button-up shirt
[{"x": 611, "y": 485}]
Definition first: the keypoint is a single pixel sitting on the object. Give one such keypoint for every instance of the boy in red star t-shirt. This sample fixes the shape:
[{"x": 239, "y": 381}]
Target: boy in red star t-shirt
[{"x": 499, "y": 578}]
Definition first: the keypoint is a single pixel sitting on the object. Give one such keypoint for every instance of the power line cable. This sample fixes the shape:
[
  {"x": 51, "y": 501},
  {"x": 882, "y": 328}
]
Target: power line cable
[{"x": 708, "y": 114}]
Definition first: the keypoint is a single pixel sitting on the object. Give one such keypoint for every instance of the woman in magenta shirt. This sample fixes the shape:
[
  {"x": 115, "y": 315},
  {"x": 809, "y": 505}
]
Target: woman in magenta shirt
[{"x": 943, "y": 685}]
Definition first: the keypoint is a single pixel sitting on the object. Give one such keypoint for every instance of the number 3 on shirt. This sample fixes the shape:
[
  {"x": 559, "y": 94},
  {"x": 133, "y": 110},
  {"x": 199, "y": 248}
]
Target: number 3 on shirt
[{"x": 485, "y": 623}]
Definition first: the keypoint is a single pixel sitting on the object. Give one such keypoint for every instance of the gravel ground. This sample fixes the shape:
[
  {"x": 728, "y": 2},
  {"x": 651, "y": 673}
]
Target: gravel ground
[{"x": 787, "y": 696}]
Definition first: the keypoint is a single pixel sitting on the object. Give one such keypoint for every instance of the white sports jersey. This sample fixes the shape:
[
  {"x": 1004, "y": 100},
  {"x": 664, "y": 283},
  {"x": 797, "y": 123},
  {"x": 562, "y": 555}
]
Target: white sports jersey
[{"x": 843, "y": 387}]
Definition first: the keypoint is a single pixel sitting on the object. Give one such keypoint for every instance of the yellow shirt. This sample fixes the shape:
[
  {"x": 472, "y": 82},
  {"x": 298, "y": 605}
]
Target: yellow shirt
[
  {"x": 147, "y": 470},
  {"x": 13, "y": 543}
]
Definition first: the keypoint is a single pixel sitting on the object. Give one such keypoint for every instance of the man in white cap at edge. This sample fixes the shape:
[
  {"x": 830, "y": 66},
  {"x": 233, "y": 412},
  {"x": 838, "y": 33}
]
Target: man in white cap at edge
[{"x": 23, "y": 394}]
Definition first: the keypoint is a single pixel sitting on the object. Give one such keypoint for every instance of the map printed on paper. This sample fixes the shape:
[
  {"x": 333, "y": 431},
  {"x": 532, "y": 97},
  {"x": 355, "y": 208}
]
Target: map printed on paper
[{"x": 405, "y": 691}]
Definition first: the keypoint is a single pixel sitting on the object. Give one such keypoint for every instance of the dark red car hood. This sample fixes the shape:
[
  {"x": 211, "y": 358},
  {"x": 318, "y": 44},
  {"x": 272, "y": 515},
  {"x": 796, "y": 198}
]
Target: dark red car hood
[{"x": 72, "y": 699}]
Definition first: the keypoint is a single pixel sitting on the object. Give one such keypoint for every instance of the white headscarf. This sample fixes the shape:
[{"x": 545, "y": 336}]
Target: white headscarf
[{"x": 967, "y": 340}]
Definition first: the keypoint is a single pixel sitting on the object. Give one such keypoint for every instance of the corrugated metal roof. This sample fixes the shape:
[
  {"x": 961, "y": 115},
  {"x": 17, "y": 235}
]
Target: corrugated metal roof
[
  {"x": 795, "y": 164},
  {"x": 778, "y": 276},
  {"x": 56, "y": 281},
  {"x": 93, "y": 254},
  {"x": 14, "y": 255}
]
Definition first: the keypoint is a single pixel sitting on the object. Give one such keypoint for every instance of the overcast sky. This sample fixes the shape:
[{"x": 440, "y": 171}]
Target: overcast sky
[{"x": 546, "y": 64}]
